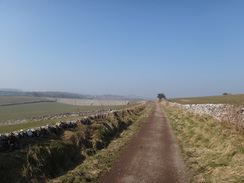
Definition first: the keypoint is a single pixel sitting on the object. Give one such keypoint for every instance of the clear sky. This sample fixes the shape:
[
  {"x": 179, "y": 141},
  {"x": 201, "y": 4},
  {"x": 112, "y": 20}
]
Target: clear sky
[{"x": 123, "y": 47}]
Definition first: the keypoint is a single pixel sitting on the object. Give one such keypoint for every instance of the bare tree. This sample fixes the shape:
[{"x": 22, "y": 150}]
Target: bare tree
[{"x": 161, "y": 96}]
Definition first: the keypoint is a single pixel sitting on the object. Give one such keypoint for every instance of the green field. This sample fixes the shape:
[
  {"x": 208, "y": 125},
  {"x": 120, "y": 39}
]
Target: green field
[
  {"x": 237, "y": 100},
  {"x": 54, "y": 107},
  {"x": 40, "y": 109},
  {"x": 19, "y": 99},
  {"x": 31, "y": 110}
]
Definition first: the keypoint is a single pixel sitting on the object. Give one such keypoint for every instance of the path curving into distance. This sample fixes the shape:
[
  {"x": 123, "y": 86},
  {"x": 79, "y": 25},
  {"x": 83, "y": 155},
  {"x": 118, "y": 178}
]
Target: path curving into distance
[{"x": 151, "y": 157}]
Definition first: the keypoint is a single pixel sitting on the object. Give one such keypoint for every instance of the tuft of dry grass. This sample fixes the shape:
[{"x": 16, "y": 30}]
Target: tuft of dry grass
[
  {"x": 233, "y": 117},
  {"x": 213, "y": 151}
]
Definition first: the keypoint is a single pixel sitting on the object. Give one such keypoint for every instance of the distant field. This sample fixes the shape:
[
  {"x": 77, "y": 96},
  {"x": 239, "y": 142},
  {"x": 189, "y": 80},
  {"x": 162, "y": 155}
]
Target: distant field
[
  {"x": 95, "y": 102},
  {"x": 4, "y": 100},
  {"x": 33, "y": 110},
  {"x": 41, "y": 109},
  {"x": 237, "y": 100}
]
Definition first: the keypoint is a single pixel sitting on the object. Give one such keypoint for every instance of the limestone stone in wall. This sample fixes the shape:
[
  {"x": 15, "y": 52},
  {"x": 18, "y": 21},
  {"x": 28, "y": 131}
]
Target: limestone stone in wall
[
  {"x": 216, "y": 110},
  {"x": 223, "y": 112}
]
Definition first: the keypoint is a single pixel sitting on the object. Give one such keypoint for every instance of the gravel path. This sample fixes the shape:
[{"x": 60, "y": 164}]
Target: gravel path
[{"x": 151, "y": 157}]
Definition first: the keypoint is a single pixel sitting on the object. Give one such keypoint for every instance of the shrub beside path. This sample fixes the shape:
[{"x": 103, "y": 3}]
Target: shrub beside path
[{"x": 152, "y": 156}]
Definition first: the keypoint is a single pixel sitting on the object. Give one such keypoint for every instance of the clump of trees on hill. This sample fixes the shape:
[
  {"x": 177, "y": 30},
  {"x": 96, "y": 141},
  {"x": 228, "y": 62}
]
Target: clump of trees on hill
[{"x": 226, "y": 93}]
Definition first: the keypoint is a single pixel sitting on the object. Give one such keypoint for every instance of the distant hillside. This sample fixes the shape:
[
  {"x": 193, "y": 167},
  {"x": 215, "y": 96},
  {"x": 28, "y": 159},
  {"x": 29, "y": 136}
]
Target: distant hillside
[
  {"x": 116, "y": 97},
  {"x": 53, "y": 94},
  {"x": 15, "y": 92},
  {"x": 56, "y": 95},
  {"x": 10, "y": 89},
  {"x": 11, "y": 92}
]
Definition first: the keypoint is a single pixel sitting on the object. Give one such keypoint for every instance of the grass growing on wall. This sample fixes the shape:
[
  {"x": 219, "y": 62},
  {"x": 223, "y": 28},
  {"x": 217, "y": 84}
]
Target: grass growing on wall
[{"x": 213, "y": 151}]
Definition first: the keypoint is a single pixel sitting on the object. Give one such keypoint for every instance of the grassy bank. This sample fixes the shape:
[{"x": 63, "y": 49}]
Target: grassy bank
[
  {"x": 81, "y": 150},
  {"x": 213, "y": 151},
  {"x": 95, "y": 166},
  {"x": 237, "y": 100}
]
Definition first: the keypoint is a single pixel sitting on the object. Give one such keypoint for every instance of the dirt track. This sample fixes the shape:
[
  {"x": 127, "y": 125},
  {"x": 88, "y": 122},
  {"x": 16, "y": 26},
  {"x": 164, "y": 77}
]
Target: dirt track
[{"x": 151, "y": 157}]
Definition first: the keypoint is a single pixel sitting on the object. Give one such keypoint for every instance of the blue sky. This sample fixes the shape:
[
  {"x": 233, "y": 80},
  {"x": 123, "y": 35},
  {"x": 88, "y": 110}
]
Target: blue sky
[{"x": 127, "y": 47}]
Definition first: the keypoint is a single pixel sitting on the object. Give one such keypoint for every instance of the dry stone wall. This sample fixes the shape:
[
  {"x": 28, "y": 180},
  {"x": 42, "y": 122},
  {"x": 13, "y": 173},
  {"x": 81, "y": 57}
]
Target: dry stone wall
[
  {"x": 11, "y": 141},
  {"x": 222, "y": 112}
]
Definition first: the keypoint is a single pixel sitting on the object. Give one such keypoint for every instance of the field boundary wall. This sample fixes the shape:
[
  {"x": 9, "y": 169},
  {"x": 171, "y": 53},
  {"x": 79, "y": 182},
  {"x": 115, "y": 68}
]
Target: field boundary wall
[{"x": 11, "y": 141}]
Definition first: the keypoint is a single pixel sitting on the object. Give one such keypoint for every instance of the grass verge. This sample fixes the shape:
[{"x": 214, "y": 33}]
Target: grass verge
[{"x": 213, "y": 151}]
